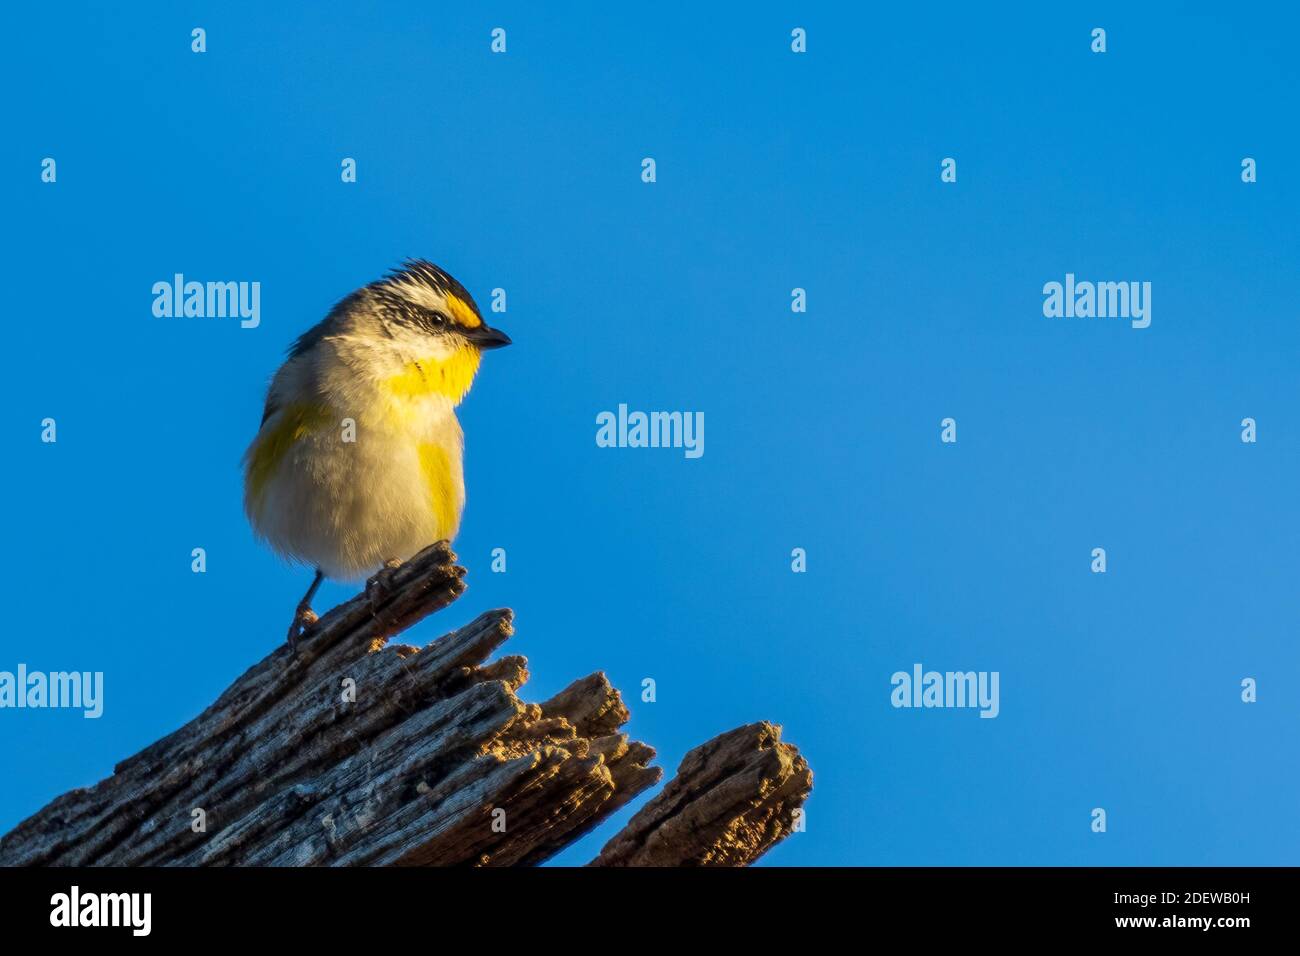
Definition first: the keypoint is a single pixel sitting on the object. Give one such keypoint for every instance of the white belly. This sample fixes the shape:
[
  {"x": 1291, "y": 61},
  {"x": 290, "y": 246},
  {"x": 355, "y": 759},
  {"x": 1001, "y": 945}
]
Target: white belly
[{"x": 347, "y": 507}]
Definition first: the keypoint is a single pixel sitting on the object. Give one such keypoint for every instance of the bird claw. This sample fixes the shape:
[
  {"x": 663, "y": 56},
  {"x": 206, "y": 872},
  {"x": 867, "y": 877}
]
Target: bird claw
[{"x": 303, "y": 619}]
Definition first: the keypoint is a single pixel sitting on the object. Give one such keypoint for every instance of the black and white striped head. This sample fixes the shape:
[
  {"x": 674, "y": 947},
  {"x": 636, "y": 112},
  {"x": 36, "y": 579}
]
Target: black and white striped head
[{"x": 421, "y": 297}]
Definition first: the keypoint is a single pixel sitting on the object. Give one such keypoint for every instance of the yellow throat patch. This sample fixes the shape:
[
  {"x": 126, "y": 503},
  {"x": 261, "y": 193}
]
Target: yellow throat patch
[{"x": 450, "y": 377}]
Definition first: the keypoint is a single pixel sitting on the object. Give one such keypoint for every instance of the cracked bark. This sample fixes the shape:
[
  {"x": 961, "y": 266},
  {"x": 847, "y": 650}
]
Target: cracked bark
[
  {"x": 733, "y": 799},
  {"x": 433, "y": 760}
]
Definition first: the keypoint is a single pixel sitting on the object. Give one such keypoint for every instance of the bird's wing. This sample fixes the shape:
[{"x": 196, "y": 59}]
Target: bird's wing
[{"x": 270, "y": 409}]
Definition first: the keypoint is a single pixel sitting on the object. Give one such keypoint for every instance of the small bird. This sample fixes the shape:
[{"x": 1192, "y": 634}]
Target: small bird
[{"x": 357, "y": 464}]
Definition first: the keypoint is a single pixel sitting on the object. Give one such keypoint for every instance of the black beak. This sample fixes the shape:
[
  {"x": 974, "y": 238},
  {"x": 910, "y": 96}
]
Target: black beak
[{"x": 486, "y": 337}]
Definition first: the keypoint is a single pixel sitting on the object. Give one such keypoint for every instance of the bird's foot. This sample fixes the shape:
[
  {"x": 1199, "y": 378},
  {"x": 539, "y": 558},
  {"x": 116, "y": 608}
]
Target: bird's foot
[
  {"x": 378, "y": 588},
  {"x": 303, "y": 619}
]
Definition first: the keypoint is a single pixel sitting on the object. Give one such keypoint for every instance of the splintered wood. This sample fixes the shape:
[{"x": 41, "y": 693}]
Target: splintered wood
[{"x": 362, "y": 752}]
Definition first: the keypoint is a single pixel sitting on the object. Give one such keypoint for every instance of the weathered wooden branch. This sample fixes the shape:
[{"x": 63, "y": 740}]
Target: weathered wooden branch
[
  {"x": 358, "y": 751},
  {"x": 733, "y": 798}
]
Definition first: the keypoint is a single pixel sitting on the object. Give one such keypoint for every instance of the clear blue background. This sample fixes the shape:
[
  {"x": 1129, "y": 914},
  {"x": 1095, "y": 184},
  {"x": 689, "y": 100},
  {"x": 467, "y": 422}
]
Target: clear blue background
[{"x": 822, "y": 430}]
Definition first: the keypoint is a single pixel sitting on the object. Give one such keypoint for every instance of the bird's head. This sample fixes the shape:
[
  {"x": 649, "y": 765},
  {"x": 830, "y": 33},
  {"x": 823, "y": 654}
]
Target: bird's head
[
  {"x": 433, "y": 334},
  {"x": 419, "y": 299}
]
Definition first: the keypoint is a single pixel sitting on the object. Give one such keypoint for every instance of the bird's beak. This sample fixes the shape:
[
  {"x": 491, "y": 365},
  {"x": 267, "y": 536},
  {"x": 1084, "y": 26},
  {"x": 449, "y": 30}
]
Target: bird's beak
[{"x": 486, "y": 337}]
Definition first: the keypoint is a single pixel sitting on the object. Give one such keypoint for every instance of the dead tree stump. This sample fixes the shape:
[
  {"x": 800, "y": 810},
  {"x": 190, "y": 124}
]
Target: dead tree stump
[{"x": 364, "y": 752}]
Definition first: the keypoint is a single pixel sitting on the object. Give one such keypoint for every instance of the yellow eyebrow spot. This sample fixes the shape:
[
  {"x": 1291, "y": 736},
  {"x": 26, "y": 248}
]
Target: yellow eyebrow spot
[{"x": 462, "y": 312}]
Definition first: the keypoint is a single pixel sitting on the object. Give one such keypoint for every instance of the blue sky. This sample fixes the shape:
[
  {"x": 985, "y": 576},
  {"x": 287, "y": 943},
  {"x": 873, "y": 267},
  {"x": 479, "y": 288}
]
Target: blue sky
[{"x": 774, "y": 170}]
